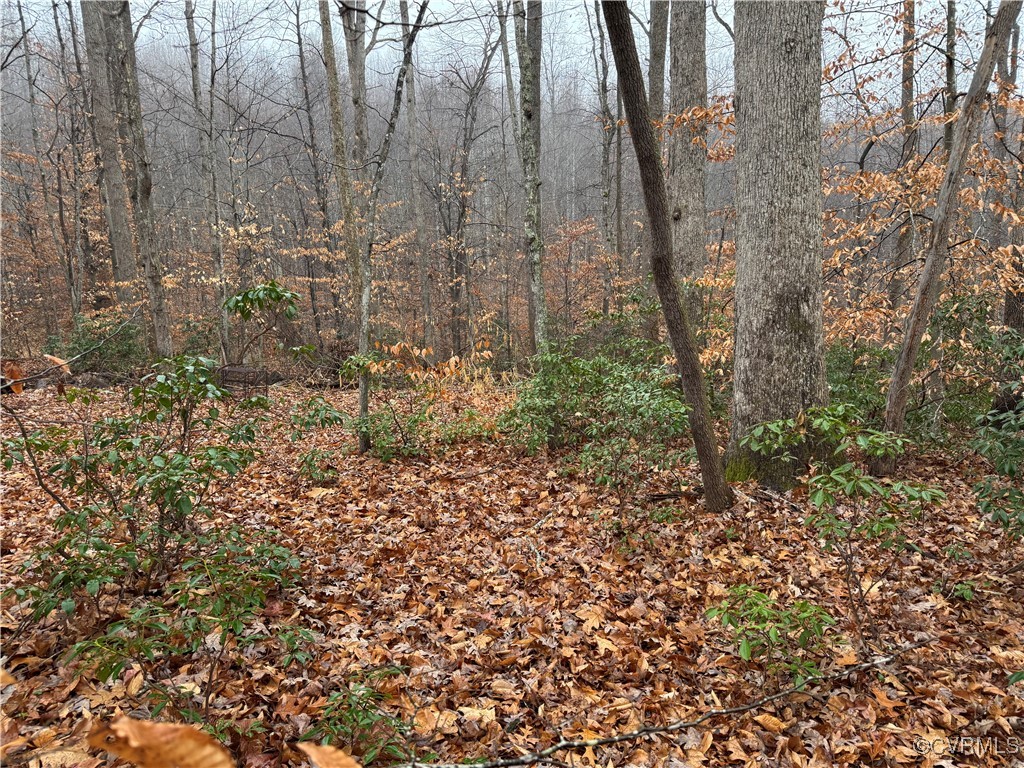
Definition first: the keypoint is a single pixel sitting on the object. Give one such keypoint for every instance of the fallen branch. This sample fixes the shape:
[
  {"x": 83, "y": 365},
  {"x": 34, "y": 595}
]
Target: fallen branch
[{"x": 545, "y": 755}]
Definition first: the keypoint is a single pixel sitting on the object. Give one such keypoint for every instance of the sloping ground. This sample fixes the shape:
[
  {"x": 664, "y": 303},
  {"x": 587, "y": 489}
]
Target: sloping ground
[{"x": 528, "y": 605}]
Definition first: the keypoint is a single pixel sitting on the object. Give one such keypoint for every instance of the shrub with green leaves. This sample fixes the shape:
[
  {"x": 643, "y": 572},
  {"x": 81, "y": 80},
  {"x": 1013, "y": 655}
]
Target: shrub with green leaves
[
  {"x": 789, "y": 639},
  {"x": 620, "y": 412},
  {"x": 355, "y": 720},
  {"x": 1000, "y": 439},
  {"x": 107, "y": 342},
  {"x": 857, "y": 516},
  {"x": 134, "y": 489}
]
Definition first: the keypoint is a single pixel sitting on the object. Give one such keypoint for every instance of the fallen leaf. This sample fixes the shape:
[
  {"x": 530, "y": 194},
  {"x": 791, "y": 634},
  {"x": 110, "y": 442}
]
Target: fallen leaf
[
  {"x": 327, "y": 757},
  {"x": 160, "y": 745}
]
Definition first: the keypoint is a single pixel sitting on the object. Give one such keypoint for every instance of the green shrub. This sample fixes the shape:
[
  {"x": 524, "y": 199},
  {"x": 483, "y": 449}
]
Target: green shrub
[
  {"x": 355, "y": 720},
  {"x": 788, "y": 639},
  {"x": 1000, "y": 439},
  {"x": 133, "y": 489},
  {"x": 107, "y": 343},
  {"x": 857, "y": 374},
  {"x": 619, "y": 411}
]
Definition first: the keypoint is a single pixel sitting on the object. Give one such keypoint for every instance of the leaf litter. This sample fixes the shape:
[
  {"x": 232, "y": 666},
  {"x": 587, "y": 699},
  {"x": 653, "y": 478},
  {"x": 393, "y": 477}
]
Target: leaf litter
[{"x": 525, "y": 604}]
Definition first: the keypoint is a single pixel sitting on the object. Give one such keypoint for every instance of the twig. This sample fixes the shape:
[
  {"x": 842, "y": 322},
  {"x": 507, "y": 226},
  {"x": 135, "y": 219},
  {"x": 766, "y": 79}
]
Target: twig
[{"x": 544, "y": 756}]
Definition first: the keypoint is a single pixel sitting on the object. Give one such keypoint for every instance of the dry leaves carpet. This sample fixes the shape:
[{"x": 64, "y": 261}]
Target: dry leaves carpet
[{"x": 526, "y": 605}]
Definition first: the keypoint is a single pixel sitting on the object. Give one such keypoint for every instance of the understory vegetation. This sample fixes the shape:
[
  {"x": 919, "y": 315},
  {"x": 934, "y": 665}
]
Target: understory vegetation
[{"x": 153, "y": 577}]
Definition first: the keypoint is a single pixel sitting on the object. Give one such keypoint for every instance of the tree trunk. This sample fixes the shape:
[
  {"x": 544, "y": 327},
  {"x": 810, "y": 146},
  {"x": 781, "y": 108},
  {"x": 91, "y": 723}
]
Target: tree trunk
[
  {"x": 416, "y": 192},
  {"x": 320, "y": 188},
  {"x": 779, "y": 358},
  {"x": 688, "y": 153},
  {"x": 205, "y": 124},
  {"x": 907, "y": 237},
  {"x": 72, "y": 280},
  {"x": 610, "y": 127},
  {"x": 930, "y": 282},
  {"x": 350, "y": 234},
  {"x": 528, "y": 45},
  {"x": 950, "y": 62},
  {"x": 118, "y": 53},
  {"x": 1008, "y": 64},
  {"x": 717, "y": 494}
]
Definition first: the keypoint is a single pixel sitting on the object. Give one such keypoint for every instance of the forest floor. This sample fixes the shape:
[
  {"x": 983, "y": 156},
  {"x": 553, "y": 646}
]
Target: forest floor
[{"x": 523, "y": 604}]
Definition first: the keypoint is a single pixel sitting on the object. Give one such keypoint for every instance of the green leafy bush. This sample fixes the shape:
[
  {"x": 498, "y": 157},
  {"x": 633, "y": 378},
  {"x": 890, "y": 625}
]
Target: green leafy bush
[
  {"x": 107, "y": 343},
  {"x": 788, "y": 639},
  {"x": 133, "y": 489},
  {"x": 864, "y": 519},
  {"x": 1000, "y": 439},
  {"x": 620, "y": 411},
  {"x": 355, "y": 720}
]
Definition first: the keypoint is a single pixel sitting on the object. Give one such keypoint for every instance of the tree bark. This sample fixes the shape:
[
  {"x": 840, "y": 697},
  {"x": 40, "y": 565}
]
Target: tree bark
[
  {"x": 528, "y": 45},
  {"x": 416, "y": 176},
  {"x": 115, "y": 187},
  {"x": 350, "y": 234},
  {"x": 205, "y": 124},
  {"x": 779, "y": 358},
  {"x": 322, "y": 197},
  {"x": 908, "y": 231},
  {"x": 717, "y": 494},
  {"x": 687, "y": 152},
  {"x": 930, "y": 282},
  {"x": 118, "y": 53}
]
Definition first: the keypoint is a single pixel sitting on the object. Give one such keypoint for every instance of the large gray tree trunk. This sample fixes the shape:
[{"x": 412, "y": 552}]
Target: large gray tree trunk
[
  {"x": 717, "y": 494},
  {"x": 687, "y": 153},
  {"x": 930, "y": 282},
  {"x": 780, "y": 357},
  {"x": 116, "y": 55},
  {"x": 115, "y": 189}
]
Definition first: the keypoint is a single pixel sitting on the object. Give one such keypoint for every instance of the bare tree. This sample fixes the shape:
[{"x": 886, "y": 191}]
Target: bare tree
[
  {"x": 416, "y": 179},
  {"x": 717, "y": 494},
  {"x": 205, "y": 124},
  {"x": 937, "y": 247},
  {"x": 113, "y": 47}
]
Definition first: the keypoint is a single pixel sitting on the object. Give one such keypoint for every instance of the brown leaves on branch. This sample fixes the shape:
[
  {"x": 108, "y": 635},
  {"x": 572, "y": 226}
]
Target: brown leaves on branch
[{"x": 166, "y": 745}]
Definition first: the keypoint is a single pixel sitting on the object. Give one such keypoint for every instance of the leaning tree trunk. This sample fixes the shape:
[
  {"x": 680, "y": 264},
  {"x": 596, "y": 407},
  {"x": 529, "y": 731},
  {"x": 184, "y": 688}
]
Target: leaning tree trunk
[
  {"x": 717, "y": 494},
  {"x": 687, "y": 153},
  {"x": 930, "y": 282},
  {"x": 780, "y": 358}
]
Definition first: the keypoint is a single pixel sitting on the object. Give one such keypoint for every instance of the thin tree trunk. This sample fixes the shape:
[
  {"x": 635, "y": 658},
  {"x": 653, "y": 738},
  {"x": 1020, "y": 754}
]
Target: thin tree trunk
[
  {"x": 340, "y": 156},
  {"x": 717, "y": 494},
  {"x": 608, "y": 134},
  {"x": 126, "y": 77},
  {"x": 416, "y": 193},
  {"x": 1013, "y": 307},
  {"x": 205, "y": 123},
  {"x": 688, "y": 153},
  {"x": 49, "y": 213},
  {"x": 528, "y": 44},
  {"x": 780, "y": 356},
  {"x": 320, "y": 188},
  {"x": 950, "y": 62},
  {"x": 930, "y": 282},
  {"x": 907, "y": 236}
]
